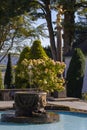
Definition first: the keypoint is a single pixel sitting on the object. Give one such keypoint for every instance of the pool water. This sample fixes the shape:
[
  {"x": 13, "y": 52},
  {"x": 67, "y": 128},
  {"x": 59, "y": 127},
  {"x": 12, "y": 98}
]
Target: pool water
[{"x": 68, "y": 121}]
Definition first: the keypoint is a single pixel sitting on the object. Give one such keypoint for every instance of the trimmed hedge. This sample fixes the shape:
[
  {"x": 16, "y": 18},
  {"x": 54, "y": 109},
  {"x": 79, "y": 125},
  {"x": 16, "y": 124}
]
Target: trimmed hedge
[
  {"x": 75, "y": 74},
  {"x": 37, "y": 51},
  {"x": 24, "y": 54}
]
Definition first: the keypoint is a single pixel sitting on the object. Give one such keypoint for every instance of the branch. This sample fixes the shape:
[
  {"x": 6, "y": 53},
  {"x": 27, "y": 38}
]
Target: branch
[
  {"x": 41, "y": 5},
  {"x": 7, "y": 50},
  {"x": 81, "y": 4}
]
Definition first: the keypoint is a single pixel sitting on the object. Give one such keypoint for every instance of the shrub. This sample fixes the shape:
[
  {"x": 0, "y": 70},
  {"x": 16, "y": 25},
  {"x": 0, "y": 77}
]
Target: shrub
[
  {"x": 24, "y": 54},
  {"x": 75, "y": 74},
  {"x": 8, "y": 78},
  {"x": 84, "y": 96},
  {"x": 42, "y": 74},
  {"x": 37, "y": 51}
]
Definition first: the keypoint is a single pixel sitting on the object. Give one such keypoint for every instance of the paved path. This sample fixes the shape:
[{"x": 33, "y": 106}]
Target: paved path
[
  {"x": 6, "y": 104},
  {"x": 72, "y": 103}
]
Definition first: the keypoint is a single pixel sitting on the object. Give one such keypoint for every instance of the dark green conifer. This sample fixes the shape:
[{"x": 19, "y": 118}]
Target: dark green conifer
[
  {"x": 8, "y": 78},
  {"x": 75, "y": 74}
]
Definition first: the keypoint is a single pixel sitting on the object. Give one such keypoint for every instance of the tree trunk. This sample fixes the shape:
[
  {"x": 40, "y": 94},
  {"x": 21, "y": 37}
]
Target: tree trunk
[
  {"x": 69, "y": 25},
  {"x": 68, "y": 31},
  {"x": 59, "y": 44},
  {"x": 50, "y": 29}
]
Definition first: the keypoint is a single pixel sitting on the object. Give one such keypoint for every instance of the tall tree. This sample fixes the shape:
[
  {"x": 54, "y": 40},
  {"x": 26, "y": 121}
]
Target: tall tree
[
  {"x": 18, "y": 29},
  {"x": 16, "y": 9},
  {"x": 81, "y": 29},
  {"x": 43, "y": 9},
  {"x": 46, "y": 12},
  {"x": 70, "y": 7}
]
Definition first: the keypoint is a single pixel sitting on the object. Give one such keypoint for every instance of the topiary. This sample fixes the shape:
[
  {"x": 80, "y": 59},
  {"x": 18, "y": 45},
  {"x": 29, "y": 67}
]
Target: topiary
[
  {"x": 75, "y": 74},
  {"x": 19, "y": 82},
  {"x": 24, "y": 54},
  {"x": 37, "y": 51},
  {"x": 8, "y": 78}
]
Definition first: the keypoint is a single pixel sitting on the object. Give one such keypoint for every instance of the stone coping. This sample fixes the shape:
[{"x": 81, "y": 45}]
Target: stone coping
[
  {"x": 6, "y": 90},
  {"x": 64, "y": 108},
  {"x": 53, "y": 105},
  {"x": 62, "y": 99},
  {"x": 48, "y": 107}
]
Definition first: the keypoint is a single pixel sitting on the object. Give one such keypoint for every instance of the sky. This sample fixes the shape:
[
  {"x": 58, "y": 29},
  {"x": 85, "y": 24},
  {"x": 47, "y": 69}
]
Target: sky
[{"x": 46, "y": 41}]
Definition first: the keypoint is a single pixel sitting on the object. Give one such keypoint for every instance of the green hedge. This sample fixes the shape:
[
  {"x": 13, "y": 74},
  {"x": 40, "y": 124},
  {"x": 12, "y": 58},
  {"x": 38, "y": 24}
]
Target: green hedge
[{"x": 75, "y": 74}]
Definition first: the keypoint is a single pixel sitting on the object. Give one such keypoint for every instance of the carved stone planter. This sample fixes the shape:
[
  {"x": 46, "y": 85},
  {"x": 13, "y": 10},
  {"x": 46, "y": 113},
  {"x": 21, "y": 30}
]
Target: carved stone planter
[{"x": 29, "y": 102}]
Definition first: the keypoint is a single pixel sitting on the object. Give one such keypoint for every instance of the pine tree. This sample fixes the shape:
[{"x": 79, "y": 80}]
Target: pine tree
[
  {"x": 75, "y": 74},
  {"x": 8, "y": 79}
]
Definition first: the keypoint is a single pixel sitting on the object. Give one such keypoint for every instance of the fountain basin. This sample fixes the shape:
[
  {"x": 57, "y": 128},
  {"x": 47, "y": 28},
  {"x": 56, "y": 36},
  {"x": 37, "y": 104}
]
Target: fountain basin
[
  {"x": 29, "y": 108},
  {"x": 42, "y": 118}
]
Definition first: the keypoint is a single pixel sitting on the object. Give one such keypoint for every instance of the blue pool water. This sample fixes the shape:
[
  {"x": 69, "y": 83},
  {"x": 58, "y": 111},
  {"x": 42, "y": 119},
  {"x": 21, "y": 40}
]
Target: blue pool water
[{"x": 68, "y": 121}]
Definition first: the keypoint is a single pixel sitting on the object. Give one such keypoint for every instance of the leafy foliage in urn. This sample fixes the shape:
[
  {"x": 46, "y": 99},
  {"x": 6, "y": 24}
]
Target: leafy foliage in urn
[
  {"x": 37, "y": 51},
  {"x": 43, "y": 74},
  {"x": 8, "y": 79},
  {"x": 75, "y": 74}
]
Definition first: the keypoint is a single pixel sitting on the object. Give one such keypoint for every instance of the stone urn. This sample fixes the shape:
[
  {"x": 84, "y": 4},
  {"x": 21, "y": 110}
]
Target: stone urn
[
  {"x": 30, "y": 109},
  {"x": 27, "y": 103}
]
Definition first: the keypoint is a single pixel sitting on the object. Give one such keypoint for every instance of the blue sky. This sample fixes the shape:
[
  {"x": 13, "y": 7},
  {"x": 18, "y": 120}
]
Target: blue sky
[{"x": 45, "y": 41}]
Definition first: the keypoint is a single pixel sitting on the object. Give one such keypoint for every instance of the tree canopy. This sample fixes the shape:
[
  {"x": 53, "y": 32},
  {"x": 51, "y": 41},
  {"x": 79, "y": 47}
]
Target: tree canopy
[{"x": 42, "y": 9}]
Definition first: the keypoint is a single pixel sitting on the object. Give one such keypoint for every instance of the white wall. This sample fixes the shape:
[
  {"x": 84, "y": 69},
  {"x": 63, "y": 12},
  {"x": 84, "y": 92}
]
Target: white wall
[
  {"x": 67, "y": 61},
  {"x": 84, "y": 90}
]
